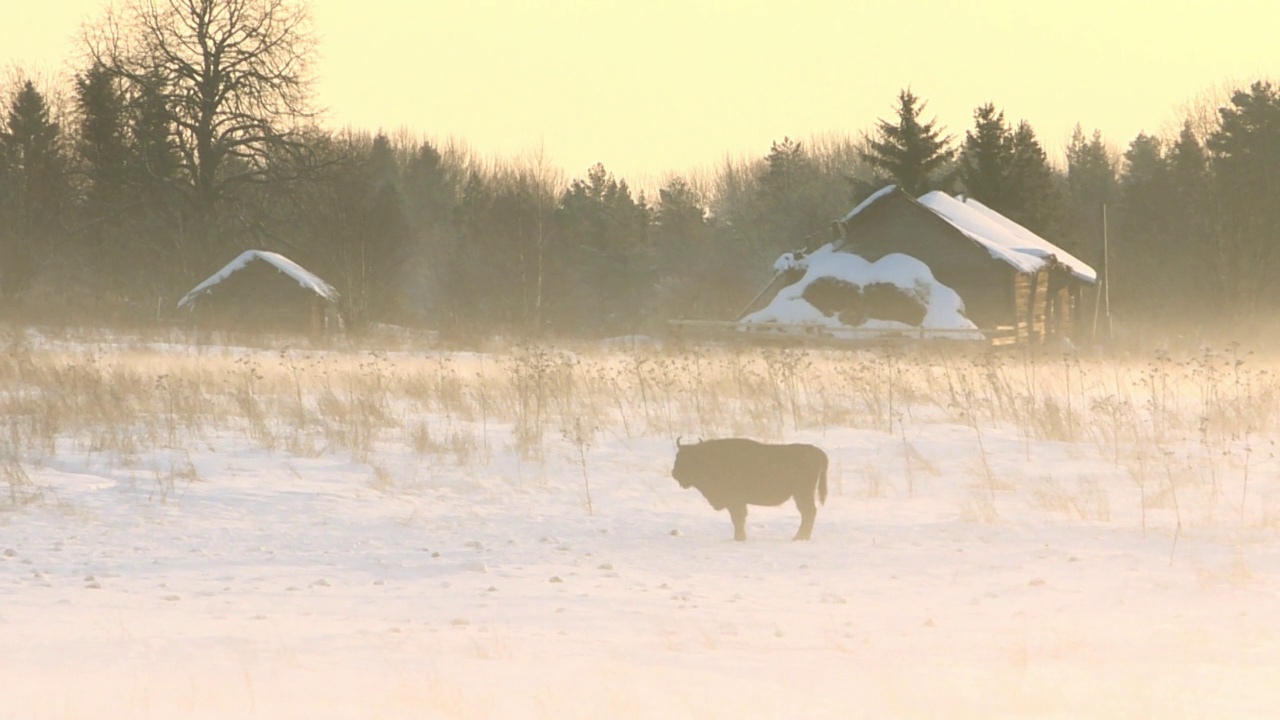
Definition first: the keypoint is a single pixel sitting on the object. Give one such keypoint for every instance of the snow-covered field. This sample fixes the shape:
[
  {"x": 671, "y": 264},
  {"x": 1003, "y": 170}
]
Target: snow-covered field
[{"x": 208, "y": 532}]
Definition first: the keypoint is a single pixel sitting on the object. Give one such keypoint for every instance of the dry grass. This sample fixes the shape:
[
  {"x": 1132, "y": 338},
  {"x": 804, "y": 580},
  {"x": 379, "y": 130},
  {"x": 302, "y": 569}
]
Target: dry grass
[{"x": 1182, "y": 428}]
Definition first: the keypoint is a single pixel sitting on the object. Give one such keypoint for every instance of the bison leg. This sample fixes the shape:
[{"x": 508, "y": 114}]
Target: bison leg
[
  {"x": 738, "y": 513},
  {"x": 808, "y": 512}
]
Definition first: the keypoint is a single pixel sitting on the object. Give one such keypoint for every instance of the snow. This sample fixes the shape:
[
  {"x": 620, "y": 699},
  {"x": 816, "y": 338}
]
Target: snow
[
  {"x": 786, "y": 261},
  {"x": 959, "y": 569},
  {"x": 1003, "y": 238},
  {"x": 1024, "y": 241},
  {"x": 944, "y": 309},
  {"x": 871, "y": 200},
  {"x": 990, "y": 234},
  {"x": 295, "y": 271}
]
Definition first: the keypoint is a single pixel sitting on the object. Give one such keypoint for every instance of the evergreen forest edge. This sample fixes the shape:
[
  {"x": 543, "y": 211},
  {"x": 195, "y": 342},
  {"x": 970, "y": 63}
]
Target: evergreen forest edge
[{"x": 159, "y": 163}]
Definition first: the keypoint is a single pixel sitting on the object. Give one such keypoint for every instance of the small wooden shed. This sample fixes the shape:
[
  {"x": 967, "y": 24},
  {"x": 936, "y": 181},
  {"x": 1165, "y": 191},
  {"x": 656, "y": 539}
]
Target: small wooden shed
[
  {"x": 263, "y": 291},
  {"x": 1011, "y": 280}
]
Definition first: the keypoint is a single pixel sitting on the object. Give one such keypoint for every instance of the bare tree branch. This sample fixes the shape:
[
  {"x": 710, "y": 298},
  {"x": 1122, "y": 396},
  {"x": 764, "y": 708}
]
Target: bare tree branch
[{"x": 234, "y": 75}]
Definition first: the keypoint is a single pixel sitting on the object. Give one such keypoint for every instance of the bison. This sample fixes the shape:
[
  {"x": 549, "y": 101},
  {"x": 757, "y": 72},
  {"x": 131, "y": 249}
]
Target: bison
[{"x": 735, "y": 472}]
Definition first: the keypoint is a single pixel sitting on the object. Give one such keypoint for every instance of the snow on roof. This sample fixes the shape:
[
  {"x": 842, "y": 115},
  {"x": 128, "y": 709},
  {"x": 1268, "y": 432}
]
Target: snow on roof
[
  {"x": 882, "y": 192},
  {"x": 1028, "y": 242},
  {"x": 981, "y": 229},
  {"x": 1002, "y": 237},
  {"x": 944, "y": 309},
  {"x": 300, "y": 274}
]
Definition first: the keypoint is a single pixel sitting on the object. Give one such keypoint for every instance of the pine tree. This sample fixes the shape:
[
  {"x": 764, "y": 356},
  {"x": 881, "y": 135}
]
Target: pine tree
[
  {"x": 35, "y": 191},
  {"x": 102, "y": 143},
  {"x": 102, "y": 148},
  {"x": 789, "y": 202},
  {"x": 1035, "y": 202},
  {"x": 1091, "y": 185},
  {"x": 1090, "y": 168},
  {"x": 910, "y": 153},
  {"x": 1141, "y": 256},
  {"x": 431, "y": 192},
  {"x": 604, "y": 236},
  {"x": 679, "y": 217},
  {"x": 379, "y": 241},
  {"x": 507, "y": 264},
  {"x": 701, "y": 268},
  {"x": 1191, "y": 250},
  {"x": 785, "y": 167},
  {"x": 156, "y": 208},
  {"x": 390, "y": 233},
  {"x": 1188, "y": 160},
  {"x": 155, "y": 154},
  {"x": 1245, "y": 151},
  {"x": 986, "y": 160},
  {"x": 469, "y": 288}
]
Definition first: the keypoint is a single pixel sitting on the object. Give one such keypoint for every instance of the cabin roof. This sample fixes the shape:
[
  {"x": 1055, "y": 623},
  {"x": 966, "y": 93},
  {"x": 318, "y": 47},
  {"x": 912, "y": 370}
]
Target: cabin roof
[
  {"x": 1004, "y": 239},
  {"x": 293, "y": 270}
]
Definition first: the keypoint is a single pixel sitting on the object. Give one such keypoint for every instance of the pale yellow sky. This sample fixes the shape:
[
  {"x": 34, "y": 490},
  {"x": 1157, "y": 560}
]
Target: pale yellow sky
[{"x": 649, "y": 88}]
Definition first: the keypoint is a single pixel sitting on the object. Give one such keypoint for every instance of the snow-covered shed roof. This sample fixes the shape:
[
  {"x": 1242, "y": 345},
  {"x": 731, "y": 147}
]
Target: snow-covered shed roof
[
  {"x": 871, "y": 200},
  {"x": 295, "y": 271},
  {"x": 1032, "y": 244},
  {"x": 1002, "y": 237}
]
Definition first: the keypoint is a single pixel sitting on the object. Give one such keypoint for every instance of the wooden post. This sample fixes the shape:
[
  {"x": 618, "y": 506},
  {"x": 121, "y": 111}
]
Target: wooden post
[
  {"x": 1031, "y": 308},
  {"x": 1103, "y": 293},
  {"x": 1106, "y": 268}
]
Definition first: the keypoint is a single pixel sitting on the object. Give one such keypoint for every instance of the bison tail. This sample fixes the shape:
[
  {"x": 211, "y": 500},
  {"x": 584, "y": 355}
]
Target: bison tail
[{"x": 822, "y": 480}]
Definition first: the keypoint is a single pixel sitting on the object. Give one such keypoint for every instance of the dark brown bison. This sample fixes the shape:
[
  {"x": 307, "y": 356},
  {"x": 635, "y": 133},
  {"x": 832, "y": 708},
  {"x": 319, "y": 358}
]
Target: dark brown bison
[{"x": 733, "y": 473}]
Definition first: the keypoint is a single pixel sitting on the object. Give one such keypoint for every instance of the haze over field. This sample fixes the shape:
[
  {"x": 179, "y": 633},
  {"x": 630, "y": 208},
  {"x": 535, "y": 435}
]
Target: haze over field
[
  {"x": 378, "y": 524},
  {"x": 199, "y": 531},
  {"x": 654, "y": 88}
]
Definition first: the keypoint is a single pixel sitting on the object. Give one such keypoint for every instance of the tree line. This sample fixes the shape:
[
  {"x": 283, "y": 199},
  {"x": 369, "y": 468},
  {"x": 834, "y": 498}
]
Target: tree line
[{"x": 189, "y": 135}]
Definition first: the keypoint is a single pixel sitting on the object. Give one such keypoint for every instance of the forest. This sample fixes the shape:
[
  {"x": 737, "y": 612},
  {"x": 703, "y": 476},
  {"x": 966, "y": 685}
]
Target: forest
[{"x": 189, "y": 134}]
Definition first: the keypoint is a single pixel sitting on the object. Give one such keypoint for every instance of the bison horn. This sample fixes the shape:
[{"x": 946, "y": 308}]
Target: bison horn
[{"x": 678, "y": 443}]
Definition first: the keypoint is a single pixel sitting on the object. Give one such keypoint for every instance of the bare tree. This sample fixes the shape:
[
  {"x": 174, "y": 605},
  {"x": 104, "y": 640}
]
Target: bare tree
[{"x": 235, "y": 78}]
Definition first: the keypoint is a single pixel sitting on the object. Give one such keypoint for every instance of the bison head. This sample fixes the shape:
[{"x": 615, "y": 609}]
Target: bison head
[{"x": 686, "y": 467}]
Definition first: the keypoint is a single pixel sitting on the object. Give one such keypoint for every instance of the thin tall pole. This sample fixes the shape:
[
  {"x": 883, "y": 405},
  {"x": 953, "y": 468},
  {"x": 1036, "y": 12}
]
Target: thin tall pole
[{"x": 1106, "y": 268}]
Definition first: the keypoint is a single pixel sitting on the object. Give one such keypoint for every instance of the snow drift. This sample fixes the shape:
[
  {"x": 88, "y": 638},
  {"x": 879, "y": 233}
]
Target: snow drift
[{"x": 942, "y": 308}]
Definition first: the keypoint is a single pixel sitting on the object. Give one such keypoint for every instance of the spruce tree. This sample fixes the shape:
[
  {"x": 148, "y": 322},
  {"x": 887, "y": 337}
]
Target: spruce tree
[
  {"x": 1091, "y": 186},
  {"x": 102, "y": 143},
  {"x": 155, "y": 155},
  {"x": 156, "y": 210},
  {"x": 431, "y": 193},
  {"x": 910, "y": 153},
  {"x": 35, "y": 192},
  {"x": 604, "y": 241},
  {"x": 784, "y": 167},
  {"x": 679, "y": 217},
  {"x": 1245, "y": 151},
  {"x": 1090, "y": 168},
  {"x": 1188, "y": 159},
  {"x": 102, "y": 148},
  {"x": 385, "y": 234},
  {"x": 986, "y": 160},
  {"x": 1034, "y": 199},
  {"x": 1140, "y": 252},
  {"x": 790, "y": 207},
  {"x": 1190, "y": 223}
]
